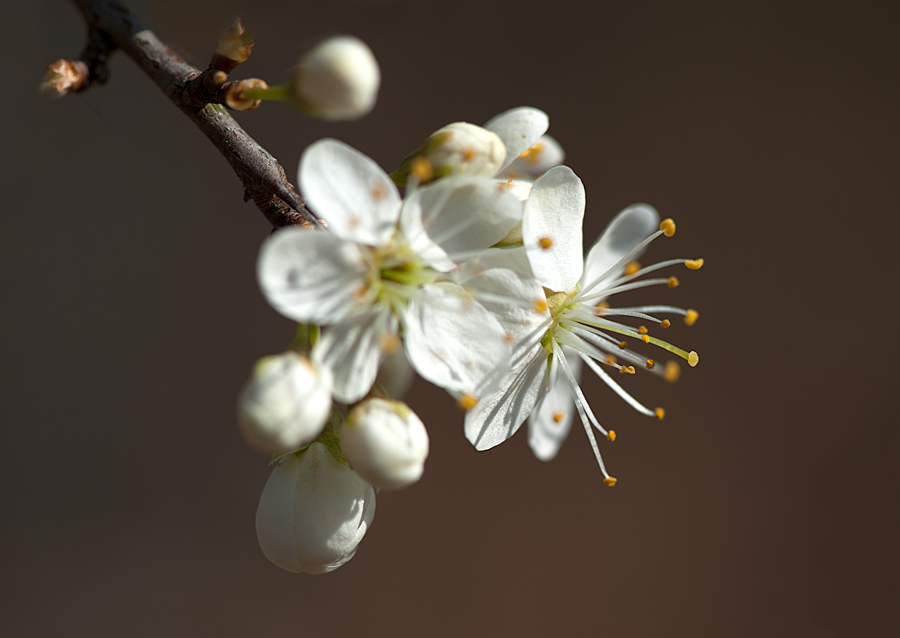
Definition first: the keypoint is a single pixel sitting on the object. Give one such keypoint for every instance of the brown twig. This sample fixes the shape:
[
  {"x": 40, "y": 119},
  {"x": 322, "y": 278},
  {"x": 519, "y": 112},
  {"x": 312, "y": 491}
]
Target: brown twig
[{"x": 112, "y": 26}]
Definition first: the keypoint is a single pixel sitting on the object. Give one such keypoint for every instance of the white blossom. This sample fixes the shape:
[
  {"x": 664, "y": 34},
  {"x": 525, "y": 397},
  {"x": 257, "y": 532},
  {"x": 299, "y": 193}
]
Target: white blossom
[
  {"x": 313, "y": 512},
  {"x": 380, "y": 273},
  {"x": 578, "y": 323},
  {"x": 385, "y": 442},
  {"x": 337, "y": 80},
  {"x": 285, "y": 403}
]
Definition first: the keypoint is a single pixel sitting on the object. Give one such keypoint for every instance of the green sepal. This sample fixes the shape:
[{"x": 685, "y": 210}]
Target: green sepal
[{"x": 306, "y": 338}]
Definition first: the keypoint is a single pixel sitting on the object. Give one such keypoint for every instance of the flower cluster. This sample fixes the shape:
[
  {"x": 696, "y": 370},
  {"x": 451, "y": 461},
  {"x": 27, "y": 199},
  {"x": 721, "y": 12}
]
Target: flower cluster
[{"x": 474, "y": 276}]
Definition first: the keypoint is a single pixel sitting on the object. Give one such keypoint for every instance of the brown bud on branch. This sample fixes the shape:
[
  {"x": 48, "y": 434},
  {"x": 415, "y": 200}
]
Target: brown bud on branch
[
  {"x": 233, "y": 48},
  {"x": 232, "y": 94},
  {"x": 64, "y": 76}
]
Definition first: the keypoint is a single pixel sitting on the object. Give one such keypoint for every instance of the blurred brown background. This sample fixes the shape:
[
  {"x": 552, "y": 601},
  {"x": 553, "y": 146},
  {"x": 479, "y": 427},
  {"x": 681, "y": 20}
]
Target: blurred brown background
[{"x": 764, "y": 505}]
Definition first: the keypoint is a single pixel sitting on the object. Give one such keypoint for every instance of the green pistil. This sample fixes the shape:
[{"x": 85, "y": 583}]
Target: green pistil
[
  {"x": 411, "y": 275},
  {"x": 557, "y": 302}
]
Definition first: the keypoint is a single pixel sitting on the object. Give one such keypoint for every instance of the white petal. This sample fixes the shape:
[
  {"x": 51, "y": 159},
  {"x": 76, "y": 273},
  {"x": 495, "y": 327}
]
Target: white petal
[
  {"x": 510, "y": 258},
  {"x": 515, "y": 299},
  {"x": 497, "y": 416},
  {"x": 553, "y": 216},
  {"x": 395, "y": 374},
  {"x": 519, "y": 129},
  {"x": 350, "y": 192},
  {"x": 549, "y": 425},
  {"x": 456, "y": 216},
  {"x": 311, "y": 277},
  {"x": 627, "y": 229},
  {"x": 353, "y": 350},
  {"x": 452, "y": 341},
  {"x": 544, "y": 155}
]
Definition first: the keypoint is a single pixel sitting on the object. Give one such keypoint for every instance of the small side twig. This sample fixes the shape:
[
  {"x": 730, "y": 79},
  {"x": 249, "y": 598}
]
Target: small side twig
[{"x": 199, "y": 95}]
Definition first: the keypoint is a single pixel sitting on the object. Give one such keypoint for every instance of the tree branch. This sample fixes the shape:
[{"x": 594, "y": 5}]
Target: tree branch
[{"x": 112, "y": 26}]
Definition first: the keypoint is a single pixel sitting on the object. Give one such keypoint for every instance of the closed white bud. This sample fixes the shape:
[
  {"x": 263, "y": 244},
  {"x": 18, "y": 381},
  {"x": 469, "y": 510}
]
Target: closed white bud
[
  {"x": 337, "y": 80},
  {"x": 313, "y": 512},
  {"x": 385, "y": 442},
  {"x": 285, "y": 404}
]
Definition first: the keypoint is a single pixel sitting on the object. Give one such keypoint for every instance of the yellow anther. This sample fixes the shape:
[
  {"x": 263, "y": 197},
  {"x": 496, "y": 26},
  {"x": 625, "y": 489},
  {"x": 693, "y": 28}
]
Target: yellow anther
[
  {"x": 646, "y": 338},
  {"x": 379, "y": 192},
  {"x": 558, "y": 416},
  {"x": 650, "y": 364},
  {"x": 540, "y": 306},
  {"x": 533, "y": 153},
  {"x": 611, "y": 436},
  {"x": 422, "y": 170},
  {"x": 673, "y": 282},
  {"x": 389, "y": 343},
  {"x": 466, "y": 402},
  {"x": 673, "y": 371},
  {"x": 665, "y": 323},
  {"x": 694, "y": 264},
  {"x": 693, "y": 358},
  {"x": 631, "y": 267},
  {"x": 545, "y": 242},
  {"x": 468, "y": 155},
  {"x": 642, "y": 330},
  {"x": 601, "y": 307},
  {"x": 623, "y": 345},
  {"x": 668, "y": 227},
  {"x": 627, "y": 370},
  {"x": 631, "y": 370},
  {"x": 660, "y": 413},
  {"x": 609, "y": 481},
  {"x": 691, "y": 317},
  {"x": 611, "y": 359}
]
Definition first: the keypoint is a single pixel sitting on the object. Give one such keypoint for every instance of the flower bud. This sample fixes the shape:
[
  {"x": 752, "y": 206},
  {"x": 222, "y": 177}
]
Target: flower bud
[
  {"x": 63, "y": 77},
  {"x": 457, "y": 148},
  {"x": 236, "y": 94},
  {"x": 234, "y": 45},
  {"x": 337, "y": 80},
  {"x": 313, "y": 512},
  {"x": 285, "y": 404},
  {"x": 385, "y": 442}
]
